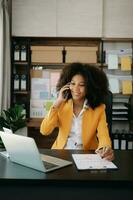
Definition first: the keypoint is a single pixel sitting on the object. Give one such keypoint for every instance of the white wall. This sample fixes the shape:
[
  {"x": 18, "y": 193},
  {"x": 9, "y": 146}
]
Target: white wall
[
  {"x": 34, "y": 18},
  {"x": 118, "y": 18},
  {"x": 79, "y": 18},
  {"x": 74, "y": 18}
]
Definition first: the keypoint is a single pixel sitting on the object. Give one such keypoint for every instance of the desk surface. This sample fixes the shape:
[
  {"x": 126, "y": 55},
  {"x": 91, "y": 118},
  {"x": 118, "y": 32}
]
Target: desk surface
[
  {"x": 10, "y": 172},
  {"x": 68, "y": 183}
]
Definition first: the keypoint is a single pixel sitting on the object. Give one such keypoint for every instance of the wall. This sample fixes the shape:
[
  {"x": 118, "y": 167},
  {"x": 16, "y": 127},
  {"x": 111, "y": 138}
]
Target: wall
[
  {"x": 67, "y": 18},
  {"x": 73, "y": 18}
]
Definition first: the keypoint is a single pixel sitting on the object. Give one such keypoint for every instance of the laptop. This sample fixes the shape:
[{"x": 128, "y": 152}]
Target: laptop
[
  {"x": 23, "y": 150},
  {"x": 7, "y": 130},
  {"x": 5, "y": 153}
]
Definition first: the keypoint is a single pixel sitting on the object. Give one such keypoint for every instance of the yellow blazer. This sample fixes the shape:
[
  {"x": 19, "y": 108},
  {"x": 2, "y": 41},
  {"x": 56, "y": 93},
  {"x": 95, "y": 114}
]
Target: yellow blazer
[{"x": 94, "y": 127}]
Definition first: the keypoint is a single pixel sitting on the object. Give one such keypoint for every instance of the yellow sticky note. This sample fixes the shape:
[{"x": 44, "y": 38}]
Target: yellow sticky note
[
  {"x": 125, "y": 63},
  {"x": 127, "y": 87}
]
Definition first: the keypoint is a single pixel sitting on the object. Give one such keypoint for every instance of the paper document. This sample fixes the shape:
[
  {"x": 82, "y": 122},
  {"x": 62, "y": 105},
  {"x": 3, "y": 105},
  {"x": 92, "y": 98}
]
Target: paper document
[
  {"x": 92, "y": 161},
  {"x": 114, "y": 85},
  {"x": 112, "y": 61}
]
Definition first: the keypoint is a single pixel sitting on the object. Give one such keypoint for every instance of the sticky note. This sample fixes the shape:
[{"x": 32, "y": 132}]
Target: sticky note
[
  {"x": 126, "y": 87},
  {"x": 125, "y": 63}
]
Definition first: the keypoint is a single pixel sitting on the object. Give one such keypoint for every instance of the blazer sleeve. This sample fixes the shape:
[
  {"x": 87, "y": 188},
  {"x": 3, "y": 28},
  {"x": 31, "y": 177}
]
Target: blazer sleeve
[
  {"x": 50, "y": 121},
  {"x": 102, "y": 130}
]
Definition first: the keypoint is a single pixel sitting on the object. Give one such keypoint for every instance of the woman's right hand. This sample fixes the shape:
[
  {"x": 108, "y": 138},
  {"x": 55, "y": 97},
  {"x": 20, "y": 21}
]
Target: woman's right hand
[{"x": 61, "y": 97}]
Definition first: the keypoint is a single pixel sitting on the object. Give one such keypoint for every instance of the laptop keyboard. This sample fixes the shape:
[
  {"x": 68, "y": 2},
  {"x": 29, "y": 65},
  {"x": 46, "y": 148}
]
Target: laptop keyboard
[{"x": 48, "y": 165}]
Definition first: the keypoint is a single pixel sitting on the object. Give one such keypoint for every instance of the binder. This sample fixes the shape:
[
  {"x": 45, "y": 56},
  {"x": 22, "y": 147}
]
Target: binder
[
  {"x": 123, "y": 141},
  {"x": 116, "y": 141},
  {"x": 23, "y": 82},
  {"x": 130, "y": 141},
  {"x": 16, "y": 53},
  {"x": 23, "y": 53},
  {"x": 16, "y": 82}
]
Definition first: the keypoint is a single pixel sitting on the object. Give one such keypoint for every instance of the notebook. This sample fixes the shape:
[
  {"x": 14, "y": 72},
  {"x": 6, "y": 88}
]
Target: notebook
[
  {"x": 23, "y": 150},
  {"x": 92, "y": 161}
]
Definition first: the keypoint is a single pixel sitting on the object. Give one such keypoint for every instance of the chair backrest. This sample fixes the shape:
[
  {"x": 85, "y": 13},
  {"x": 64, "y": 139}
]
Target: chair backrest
[
  {"x": 108, "y": 100},
  {"x": 130, "y": 108}
]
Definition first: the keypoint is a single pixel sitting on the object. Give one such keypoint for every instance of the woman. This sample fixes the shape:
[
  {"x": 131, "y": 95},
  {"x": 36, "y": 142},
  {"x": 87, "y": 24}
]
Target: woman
[{"x": 79, "y": 112}]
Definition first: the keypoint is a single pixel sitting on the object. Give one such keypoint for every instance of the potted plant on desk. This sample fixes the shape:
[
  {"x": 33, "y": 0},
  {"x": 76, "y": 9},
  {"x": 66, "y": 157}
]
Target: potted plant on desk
[{"x": 12, "y": 118}]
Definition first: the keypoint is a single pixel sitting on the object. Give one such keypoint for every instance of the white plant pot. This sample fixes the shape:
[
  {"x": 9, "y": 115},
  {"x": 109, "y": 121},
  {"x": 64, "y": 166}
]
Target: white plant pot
[{"x": 22, "y": 131}]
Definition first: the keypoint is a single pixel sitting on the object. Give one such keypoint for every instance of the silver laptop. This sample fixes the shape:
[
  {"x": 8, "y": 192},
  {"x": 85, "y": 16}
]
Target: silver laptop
[{"x": 23, "y": 150}]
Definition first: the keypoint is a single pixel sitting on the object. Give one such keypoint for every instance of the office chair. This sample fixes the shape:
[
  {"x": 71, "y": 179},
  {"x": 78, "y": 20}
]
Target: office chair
[
  {"x": 108, "y": 100},
  {"x": 130, "y": 108}
]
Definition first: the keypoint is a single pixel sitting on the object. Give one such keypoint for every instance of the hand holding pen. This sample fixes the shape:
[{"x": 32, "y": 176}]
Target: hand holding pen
[{"x": 106, "y": 153}]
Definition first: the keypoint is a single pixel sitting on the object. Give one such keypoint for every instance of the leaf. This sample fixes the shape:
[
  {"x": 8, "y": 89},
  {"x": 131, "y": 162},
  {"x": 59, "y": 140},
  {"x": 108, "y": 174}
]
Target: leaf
[{"x": 13, "y": 118}]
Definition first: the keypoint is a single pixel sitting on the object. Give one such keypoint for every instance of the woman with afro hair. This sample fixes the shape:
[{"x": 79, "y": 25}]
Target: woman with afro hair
[{"x": 79, "y": 111}]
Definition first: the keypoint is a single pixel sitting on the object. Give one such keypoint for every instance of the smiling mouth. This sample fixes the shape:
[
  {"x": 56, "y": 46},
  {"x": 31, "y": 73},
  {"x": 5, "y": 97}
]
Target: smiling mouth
[{"x": 76, "y": 94}]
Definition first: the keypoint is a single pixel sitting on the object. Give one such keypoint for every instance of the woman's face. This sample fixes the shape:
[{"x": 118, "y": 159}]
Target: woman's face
[{"x": 77, "y": 87}]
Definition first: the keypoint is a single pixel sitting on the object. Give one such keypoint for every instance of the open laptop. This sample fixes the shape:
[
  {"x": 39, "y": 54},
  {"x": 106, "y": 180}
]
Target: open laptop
[
  {"x": 7, "y": 130},
  {"x": 23, "y": 150}
]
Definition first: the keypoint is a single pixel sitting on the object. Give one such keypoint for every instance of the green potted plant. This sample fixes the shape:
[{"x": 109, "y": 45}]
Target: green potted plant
[{"x": 13, "y": 118}]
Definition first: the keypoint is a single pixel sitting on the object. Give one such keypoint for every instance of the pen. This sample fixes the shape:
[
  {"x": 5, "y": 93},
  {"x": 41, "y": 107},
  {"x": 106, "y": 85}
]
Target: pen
[{"x": 102, "y": 151}]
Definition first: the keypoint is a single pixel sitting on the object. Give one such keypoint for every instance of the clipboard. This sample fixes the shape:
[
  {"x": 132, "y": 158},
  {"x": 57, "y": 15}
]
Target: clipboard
[{"x": 92, "y": 162}]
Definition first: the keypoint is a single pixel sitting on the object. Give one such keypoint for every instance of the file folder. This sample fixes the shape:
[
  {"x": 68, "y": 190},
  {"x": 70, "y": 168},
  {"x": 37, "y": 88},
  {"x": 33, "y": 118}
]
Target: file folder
[
  {"x": 16, "y": 53},
  {"x": 23, "y": 82},
  {"x": 116, "y": 143},
  {"x": 16, "y": 82},
  {"x": 23, "y": 53},
  {"x": 130, "y": 141},
  {"x": 123, "y": 141}
]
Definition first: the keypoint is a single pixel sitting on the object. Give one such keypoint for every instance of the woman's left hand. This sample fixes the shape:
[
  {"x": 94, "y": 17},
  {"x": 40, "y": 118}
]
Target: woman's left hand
[{"x": 106, "y": 153}]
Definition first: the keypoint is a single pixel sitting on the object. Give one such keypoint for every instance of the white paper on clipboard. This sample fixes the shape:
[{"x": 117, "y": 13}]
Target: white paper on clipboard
[{"x": 92, "y": 161}]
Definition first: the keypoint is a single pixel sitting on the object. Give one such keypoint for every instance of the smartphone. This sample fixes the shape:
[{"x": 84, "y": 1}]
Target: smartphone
[{"x": 66, "y": 94}]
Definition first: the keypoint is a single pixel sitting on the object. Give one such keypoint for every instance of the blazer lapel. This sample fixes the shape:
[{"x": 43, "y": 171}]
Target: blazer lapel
[
  {"x": 67, "y": 117},
  {"x": 87, "y": 129}
]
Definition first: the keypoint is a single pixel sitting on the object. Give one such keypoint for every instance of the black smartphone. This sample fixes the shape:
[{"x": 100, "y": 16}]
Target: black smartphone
[{"x": 66, "y": 94}]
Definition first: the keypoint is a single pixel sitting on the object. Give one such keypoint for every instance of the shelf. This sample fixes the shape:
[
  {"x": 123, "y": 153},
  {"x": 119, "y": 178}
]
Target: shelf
[
  {"x": 56, "y": 66},
  {"x": 48, "y": 65},
  {"x": 119, "y": 119},
  {"x": 117, "y": 39},
  {"x": 21, "y": 92},
  {"x": 25, "y": 67},
  {"x": 20, "y": 63}
]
